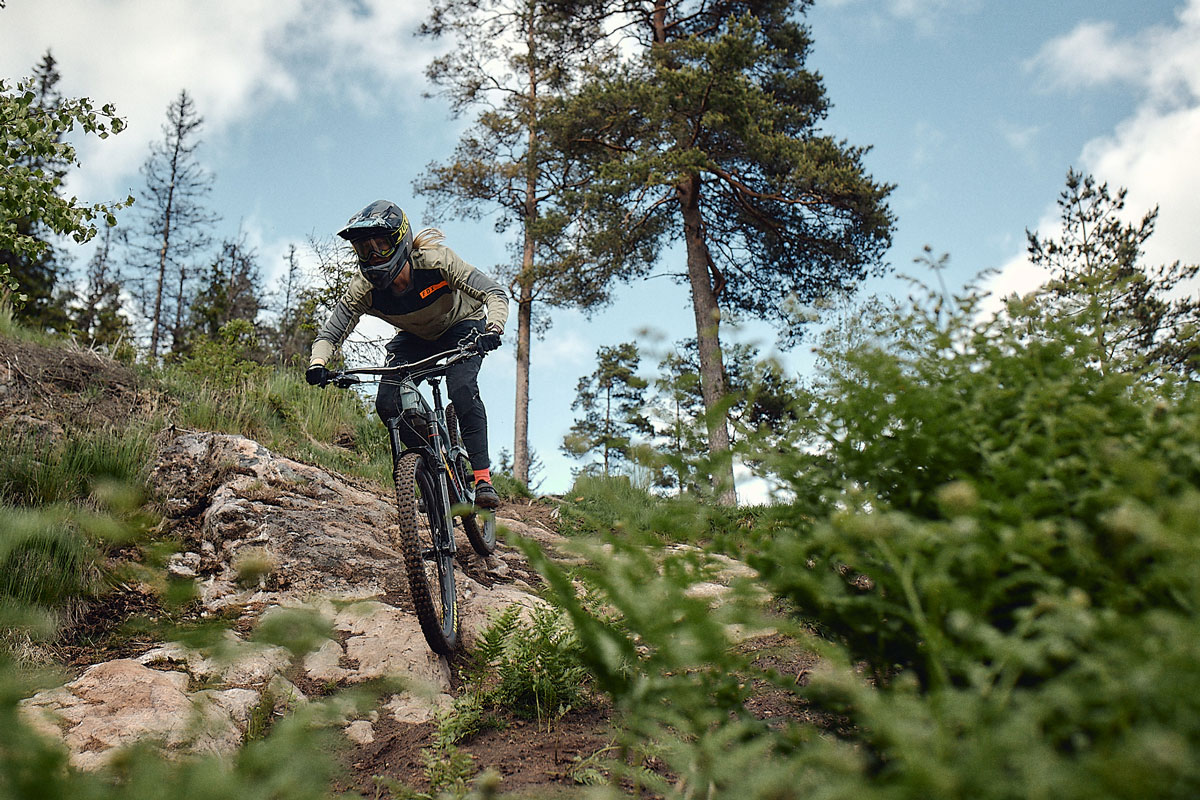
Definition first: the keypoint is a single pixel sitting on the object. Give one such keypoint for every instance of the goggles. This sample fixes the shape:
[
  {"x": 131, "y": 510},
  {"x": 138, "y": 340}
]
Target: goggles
[{"x": 374, "y": 250}]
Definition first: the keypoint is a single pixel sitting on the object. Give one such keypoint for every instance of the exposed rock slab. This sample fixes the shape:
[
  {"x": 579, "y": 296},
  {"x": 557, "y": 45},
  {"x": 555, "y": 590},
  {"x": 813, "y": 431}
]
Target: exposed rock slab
[{"x": 119, "y": 702}]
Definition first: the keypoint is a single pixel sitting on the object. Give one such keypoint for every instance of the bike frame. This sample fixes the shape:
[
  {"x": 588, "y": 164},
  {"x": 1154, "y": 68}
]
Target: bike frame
[{"x": 439, "y": 453}]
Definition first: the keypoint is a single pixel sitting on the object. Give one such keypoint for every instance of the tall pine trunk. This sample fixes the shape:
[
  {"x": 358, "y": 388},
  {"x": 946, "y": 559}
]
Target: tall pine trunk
[
  {"x": 156, "y": 322},
  {"x": 521, "y": 422},
  {"x": 525, "y": 278},
  {"x": 168, "y": 212},
  {"x": 708, "y": 320}
]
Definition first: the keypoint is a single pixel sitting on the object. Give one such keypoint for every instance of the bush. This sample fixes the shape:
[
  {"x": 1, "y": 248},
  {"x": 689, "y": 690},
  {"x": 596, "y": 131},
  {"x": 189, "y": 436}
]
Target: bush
[
  {"x": 529, "y": 667},
  {"x": 1003, "y": 533}
]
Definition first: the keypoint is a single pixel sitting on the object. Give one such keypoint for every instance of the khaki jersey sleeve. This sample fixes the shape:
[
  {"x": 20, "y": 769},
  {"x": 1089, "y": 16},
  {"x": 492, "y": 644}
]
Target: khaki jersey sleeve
[{"x": 346, "y": 314}]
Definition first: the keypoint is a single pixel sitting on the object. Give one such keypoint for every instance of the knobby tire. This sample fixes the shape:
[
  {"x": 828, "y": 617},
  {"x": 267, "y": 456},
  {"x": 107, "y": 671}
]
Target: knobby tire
[
  {"x": 430, "y": 570},
  {"x": 480, "y": 530}
]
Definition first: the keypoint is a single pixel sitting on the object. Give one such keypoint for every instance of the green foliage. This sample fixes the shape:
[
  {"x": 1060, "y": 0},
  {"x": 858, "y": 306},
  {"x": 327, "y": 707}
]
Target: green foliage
[
  {"x": 536, "y": 664},
  {"x": 515, "y": 62},
  {"x": 63, "y": 502},
  {"x": 228, "y": 357},
  {"x": 999, "y": 529},
  {"x": 717, "y": 99},
  {"x": 300, "y": 630},
  {"x": 262, "y": 715},
  {"x": 665, "y": 657},
  {"x": 598, "y": 504},
  {"x": 525, "y": 663},
  {"x": 229, "y": 295},
  {"x": 35, "y": 135},
  {"x": 761, "y": 401},
  {"x": 41, "y": 469},
  {"x": 46, "y": 560},
  {"x": 509, "y": 488}
]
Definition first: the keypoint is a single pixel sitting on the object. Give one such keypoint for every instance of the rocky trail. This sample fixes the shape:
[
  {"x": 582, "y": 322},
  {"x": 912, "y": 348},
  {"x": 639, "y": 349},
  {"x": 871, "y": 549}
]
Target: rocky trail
[{"x": 311, "y": 542}]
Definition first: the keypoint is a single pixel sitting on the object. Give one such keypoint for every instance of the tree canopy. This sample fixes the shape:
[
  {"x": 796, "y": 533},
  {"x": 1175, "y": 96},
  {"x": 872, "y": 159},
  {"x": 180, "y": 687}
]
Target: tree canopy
[{"x": 34, "y": 161}]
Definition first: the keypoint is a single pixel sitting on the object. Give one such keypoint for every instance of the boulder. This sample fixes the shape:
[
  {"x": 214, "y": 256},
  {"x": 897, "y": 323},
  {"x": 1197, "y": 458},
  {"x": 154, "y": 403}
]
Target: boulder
[{"x": 120, "y": 702}]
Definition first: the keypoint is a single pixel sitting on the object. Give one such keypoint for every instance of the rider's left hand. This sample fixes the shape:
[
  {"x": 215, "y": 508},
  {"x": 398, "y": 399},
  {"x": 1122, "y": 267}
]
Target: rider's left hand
[{"x": 489, "y": 340}]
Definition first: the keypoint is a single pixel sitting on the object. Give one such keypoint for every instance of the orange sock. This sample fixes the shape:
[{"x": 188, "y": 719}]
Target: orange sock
[{"x": 483, "y": 475}]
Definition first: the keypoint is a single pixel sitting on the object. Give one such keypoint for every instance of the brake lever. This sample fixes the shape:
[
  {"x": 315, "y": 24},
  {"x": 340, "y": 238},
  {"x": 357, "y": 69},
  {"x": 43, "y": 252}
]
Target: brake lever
[
  {"x": 471, "y": 338},
  {"x": 345, "y": 381}
]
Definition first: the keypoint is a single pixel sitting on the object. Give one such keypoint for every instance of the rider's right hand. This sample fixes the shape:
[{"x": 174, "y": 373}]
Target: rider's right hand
[{"x": 317, "y": 375}]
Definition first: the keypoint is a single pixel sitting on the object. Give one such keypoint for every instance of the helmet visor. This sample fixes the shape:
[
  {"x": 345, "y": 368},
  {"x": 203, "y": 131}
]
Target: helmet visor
[{"x": 374, "y": 250}]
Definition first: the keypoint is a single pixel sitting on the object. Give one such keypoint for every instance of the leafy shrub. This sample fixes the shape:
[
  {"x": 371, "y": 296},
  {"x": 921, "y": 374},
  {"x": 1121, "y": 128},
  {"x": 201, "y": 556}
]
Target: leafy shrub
[
  {"x": 994, "y": 479},
  {"x": 228, "y": 358},
  {"x": 1001, "y": 531},
  {"x": 528, "y": 667}
]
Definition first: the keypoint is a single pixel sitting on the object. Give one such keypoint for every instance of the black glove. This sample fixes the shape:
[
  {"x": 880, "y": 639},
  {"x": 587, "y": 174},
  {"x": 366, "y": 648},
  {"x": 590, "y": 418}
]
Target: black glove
[
  {"x": 317, "y": 375},
  {"x": 489, "y": 340}
]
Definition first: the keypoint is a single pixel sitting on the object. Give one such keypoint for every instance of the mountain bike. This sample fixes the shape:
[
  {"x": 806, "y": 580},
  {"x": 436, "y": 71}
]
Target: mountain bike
[{"x": 434, "y": 483}]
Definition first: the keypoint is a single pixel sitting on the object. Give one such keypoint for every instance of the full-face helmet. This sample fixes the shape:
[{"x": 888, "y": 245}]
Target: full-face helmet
[{"x": 383, "y": 240}]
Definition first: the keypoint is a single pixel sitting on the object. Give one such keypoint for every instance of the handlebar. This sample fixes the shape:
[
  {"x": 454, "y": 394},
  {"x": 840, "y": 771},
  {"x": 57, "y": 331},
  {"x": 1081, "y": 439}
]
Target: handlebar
[{"x": 467, "y": 348}]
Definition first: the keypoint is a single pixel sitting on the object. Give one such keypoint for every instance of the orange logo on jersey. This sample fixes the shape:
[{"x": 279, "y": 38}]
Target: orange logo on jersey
[{"x": 426, "y": 292}]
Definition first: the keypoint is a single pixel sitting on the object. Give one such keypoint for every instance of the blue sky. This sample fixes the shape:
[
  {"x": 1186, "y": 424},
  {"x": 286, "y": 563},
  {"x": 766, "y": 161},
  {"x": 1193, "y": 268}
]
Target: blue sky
[{"x": 975, "y": 109}]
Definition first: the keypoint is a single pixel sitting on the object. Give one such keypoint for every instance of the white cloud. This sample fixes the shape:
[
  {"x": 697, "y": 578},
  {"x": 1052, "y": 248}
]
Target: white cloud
[
  {"x": 925, "y": 15},
  {"x": 1162, "y": 61},
  {"x": 1154, "y": 153},
  {"x": 233, "y": 57}
]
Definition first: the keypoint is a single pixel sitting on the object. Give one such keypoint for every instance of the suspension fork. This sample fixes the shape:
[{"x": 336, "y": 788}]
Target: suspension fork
[
  {"x": 442, "y": 448},
  {"x": 393, "y": 426},
  {"x": 437, "y": 452}
]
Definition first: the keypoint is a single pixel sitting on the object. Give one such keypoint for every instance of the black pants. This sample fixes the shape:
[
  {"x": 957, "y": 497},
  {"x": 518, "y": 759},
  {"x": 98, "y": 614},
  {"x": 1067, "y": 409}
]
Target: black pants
[{"x": 462, "y": 385}]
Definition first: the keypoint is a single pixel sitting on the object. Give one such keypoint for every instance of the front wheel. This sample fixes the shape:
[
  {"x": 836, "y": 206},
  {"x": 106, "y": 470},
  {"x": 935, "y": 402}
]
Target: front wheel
[
  {"x": 480, "y": 528},
  {"x": 428, "y": 558}
]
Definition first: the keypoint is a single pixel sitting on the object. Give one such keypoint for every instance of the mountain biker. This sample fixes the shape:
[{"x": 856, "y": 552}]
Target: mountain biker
[{"x": 434, "y": 299}]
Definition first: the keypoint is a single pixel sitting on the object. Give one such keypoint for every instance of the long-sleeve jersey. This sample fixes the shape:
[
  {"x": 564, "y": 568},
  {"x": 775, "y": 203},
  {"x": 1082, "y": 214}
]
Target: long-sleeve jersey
[{"x": 445, "y": 290}]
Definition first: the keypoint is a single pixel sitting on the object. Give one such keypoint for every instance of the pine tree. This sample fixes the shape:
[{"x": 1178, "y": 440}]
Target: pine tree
[
  {"x": 292, "y": 307},
  {"x": 175, "y": 222},
  {"x": 1132, "y": 313},
  {"x": 612, "y": 400},
  {"x": 515, "y": 60},
  {"x": 711, "y": 131},
  {"x": 97, "y": 314},
  {"x": 761, "y": 403},
  {"x": 229, "y": 290}
]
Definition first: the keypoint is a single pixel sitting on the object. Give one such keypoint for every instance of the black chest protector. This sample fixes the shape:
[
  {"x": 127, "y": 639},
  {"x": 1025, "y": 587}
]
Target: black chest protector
[{"x": 428, "y": 286}]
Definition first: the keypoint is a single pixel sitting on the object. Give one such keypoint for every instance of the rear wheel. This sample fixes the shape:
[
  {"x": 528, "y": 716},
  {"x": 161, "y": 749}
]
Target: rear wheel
[
  {"x": 428, "y": 561},
  {"x": 480, "y": 528}
]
